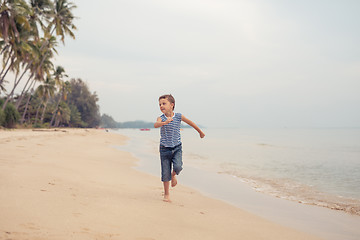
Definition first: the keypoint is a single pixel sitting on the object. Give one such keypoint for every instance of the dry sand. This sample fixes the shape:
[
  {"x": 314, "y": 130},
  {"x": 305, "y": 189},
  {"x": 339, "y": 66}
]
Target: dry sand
[{"x": 77, "y": 185}]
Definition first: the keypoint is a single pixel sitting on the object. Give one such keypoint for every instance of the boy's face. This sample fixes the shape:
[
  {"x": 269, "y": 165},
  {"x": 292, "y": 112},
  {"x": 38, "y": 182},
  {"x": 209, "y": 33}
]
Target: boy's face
[{"x": 165, "y": 105}]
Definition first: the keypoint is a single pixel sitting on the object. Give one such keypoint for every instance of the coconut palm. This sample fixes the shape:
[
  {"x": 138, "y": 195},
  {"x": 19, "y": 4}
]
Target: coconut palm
[
  {"x": 21, "y": 47},
  {"x": 6, "y": 52},
  {"x": 59, "y": 74},
  {"x": 46, "y": 91},
  {"x": 38, "y": 69},
  {"x": 62, "y": 19},
  {"x": 13, "y": 19},
  {"x": 32, "y": 85},
  {"x": 22, "y": 53},
  {"x": 63, "y": 114},
  {"x": 41, "y": 11},
  {"x": 40, "y": 74},
  {"x": 13, "y": 13}
]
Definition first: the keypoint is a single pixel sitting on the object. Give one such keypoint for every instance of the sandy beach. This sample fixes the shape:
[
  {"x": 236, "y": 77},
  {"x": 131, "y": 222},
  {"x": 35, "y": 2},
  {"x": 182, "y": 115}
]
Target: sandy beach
[{"x": 74, "y": 184}]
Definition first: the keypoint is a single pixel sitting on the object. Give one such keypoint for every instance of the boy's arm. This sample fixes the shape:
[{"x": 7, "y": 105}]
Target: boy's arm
[
  {"x": 191, "y": 123},
  {"x": 160, "y": 123}
]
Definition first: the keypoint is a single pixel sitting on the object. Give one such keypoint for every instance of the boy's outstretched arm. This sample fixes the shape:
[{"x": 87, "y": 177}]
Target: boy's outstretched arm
[{"x": 191, "y": 123}]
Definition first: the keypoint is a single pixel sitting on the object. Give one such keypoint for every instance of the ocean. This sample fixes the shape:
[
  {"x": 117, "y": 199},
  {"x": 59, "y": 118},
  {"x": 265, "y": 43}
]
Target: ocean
[{"x": 311, "y": 166}]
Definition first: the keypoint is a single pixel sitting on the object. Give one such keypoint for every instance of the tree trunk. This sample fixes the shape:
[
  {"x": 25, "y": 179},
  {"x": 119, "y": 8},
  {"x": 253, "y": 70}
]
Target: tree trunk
[
  {"x": 43, "y": 113},
  {"x": 25, "y": 110},
  {"x": 27, "y": 103},
  {"x": 7, "y": 61},
  {"x": 24, "y": 91},
  {"x": 37, "y": 113},
  {"x": 7, "y": 70},
  {"x": 57, "y": 121},
  {"x": 12, "y": 91},
  {"x": 56, "y": 109}
]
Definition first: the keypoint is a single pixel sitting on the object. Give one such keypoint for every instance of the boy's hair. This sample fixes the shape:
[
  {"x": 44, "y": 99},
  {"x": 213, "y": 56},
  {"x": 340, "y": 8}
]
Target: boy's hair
[{"x": 169, "y": 97}]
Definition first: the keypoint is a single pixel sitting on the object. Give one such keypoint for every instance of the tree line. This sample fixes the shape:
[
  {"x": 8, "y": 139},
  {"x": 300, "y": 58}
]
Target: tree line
[
  {"x": 30, "y": 31},
  {"x": 108, "y": 122}
]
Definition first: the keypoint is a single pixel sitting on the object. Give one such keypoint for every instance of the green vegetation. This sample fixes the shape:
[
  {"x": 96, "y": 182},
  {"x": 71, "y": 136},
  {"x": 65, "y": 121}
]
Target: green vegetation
[
  {"x": 108, "y": 122},
  {"x": 11, "y": 116},
  {"x": 29, "y": 34}
]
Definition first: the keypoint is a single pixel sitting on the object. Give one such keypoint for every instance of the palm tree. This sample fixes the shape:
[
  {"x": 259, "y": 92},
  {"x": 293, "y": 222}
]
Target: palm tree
[
  {"x": 38, "y": 72},
  {"x": 62, "y": 19},
  {"x": 19, "y": 33},
  {"x": 32, "y": 85},
  {"x": 63, "y": 114},
  {"x": 6, "y": 52},
  {"x": 38, "y": 69},
  {"x": 41, "y": 10},
  {"x": 22, "y": 53},
  {"x": 13, "y": 15},
  {"x": 59, "y": 74},
  {"x": 46, "y": 90},
  {"x": 58, "y": 15}
]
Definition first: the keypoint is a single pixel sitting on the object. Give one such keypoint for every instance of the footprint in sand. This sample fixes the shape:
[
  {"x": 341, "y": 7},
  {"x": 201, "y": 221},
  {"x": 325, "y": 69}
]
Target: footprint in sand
[
  {"x": 31, "y": 226},
  {"x": 76, "y": 214}
]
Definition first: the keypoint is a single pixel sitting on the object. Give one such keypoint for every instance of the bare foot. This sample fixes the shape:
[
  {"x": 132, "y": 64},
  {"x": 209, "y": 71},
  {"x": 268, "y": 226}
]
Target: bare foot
[
  {"x": 167, "y": 198},
  {"x": 173, "y": 179}
]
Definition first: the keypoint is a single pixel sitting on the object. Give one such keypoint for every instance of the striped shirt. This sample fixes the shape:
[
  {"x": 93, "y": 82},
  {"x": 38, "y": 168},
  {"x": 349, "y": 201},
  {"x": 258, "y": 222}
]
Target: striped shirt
[{"x": 170, "y": 133}]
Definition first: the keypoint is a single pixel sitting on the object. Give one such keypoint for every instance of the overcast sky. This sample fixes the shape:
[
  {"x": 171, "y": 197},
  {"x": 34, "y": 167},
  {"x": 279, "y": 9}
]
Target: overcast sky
[{"x": 246, "y": 63}]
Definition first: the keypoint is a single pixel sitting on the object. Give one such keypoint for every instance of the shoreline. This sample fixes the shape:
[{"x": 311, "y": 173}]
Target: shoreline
[
  {"x": 76, "y": 184},
  {"x": 310, "y": 185},
  {"x": 324, "y": 222}
]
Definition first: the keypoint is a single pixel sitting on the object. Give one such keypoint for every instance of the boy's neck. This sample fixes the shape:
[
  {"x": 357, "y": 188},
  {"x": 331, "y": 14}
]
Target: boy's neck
[{"x": 169, "y": 114}]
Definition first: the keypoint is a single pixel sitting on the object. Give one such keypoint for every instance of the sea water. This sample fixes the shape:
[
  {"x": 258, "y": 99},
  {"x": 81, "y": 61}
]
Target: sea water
[{"x": 312, "y": 166}]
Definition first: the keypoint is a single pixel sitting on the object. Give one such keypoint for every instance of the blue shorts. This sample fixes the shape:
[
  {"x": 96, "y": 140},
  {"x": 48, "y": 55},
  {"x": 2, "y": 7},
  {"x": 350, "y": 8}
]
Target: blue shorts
[{"x": 170, "y": 157}]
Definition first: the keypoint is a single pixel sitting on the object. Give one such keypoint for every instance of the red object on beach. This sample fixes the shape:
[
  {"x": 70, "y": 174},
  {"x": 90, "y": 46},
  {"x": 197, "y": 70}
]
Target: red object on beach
[{"x": 144, "y": 129}]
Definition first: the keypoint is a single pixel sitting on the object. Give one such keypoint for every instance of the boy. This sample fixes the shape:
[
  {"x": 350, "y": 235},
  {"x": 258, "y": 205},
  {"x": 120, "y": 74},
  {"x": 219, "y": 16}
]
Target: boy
[{"x": 170, "y": 142}]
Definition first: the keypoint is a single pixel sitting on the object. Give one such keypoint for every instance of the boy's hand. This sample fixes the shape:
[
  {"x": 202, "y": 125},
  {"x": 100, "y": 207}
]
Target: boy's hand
[
  {"x": 168, "y": 120},
  {"x": 202, "y": 135}
]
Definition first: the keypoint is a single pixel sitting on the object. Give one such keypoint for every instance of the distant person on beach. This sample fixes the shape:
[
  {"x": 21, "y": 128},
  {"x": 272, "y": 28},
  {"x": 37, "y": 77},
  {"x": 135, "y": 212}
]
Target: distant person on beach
[{"x": 170, "y": 142}]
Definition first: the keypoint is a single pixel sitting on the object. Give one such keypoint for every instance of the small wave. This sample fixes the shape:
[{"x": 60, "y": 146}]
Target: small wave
[{"x": 290, "y": 190}]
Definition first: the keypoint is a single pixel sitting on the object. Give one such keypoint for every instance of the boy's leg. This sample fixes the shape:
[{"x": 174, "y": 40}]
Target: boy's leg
[
  {"x": 177, "y": 164},
  {"x": 165, "y": 157},
  {"x": 173, "y": 179},
  {"x": 166, "y": 191}
]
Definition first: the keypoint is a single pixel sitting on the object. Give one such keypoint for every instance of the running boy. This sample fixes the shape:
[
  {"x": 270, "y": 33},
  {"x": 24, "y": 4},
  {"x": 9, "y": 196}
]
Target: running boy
[{"x": 170, "y": 142}]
